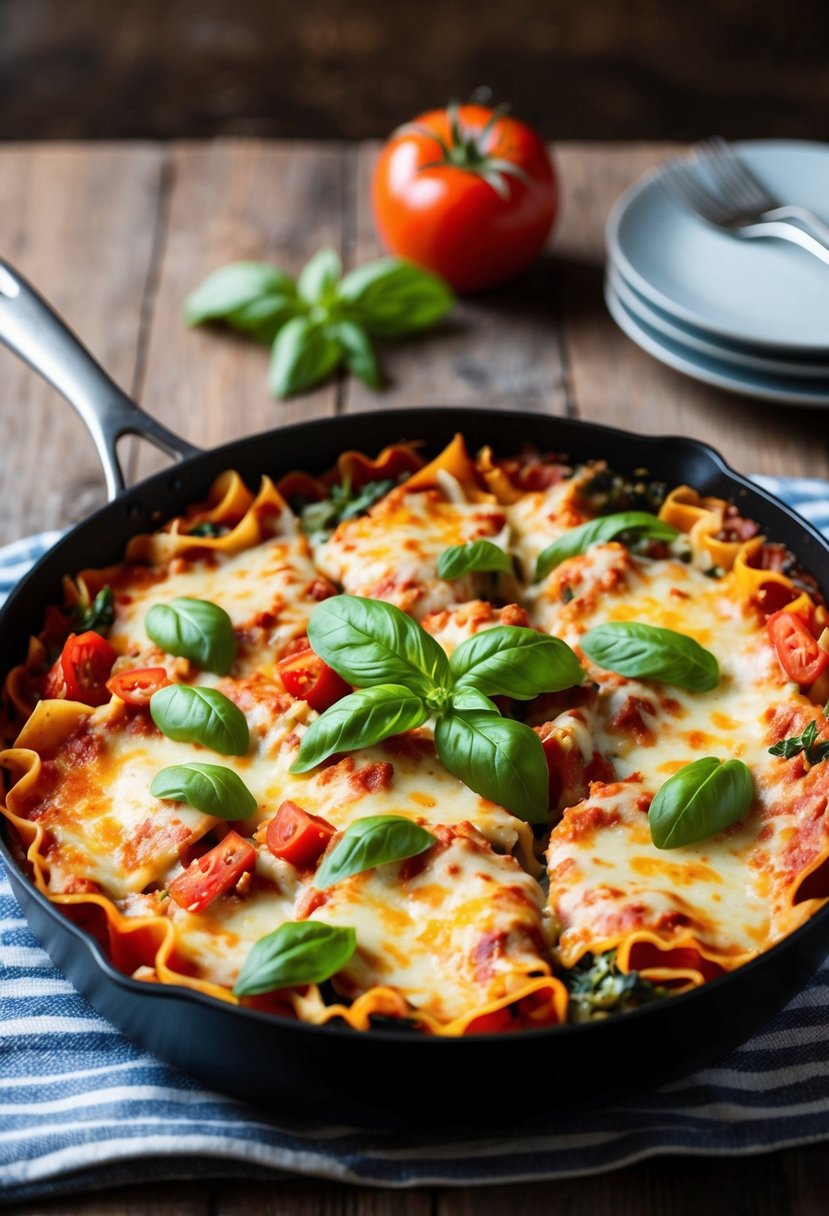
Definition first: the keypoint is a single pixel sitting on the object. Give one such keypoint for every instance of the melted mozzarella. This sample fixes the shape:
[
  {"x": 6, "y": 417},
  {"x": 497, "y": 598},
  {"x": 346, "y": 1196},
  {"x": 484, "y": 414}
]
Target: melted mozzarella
[
  {"x": 392, "y": 553},
  {"x": 465, "y": 929},
  {"x": 265, "y": 591}
]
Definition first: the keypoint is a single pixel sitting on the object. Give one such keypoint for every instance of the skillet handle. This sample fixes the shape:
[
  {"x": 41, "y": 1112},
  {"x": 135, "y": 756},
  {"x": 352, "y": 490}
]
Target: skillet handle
[{"x": 33, "y": 330}]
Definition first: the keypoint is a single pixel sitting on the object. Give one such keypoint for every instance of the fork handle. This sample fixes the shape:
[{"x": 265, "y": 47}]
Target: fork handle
[
  {"x": 808, "y": 219},
  {"x": 786, "y": 230}
]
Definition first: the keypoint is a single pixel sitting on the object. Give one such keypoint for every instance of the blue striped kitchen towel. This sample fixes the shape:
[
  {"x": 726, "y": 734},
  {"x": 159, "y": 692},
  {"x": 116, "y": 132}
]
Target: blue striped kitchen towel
[{"x": 82, "y": 1107}]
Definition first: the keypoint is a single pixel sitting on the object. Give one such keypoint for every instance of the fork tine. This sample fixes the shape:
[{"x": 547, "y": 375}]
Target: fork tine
[
  {"x": 733, "y": 176},
  {"x": 683, "y": 184}
]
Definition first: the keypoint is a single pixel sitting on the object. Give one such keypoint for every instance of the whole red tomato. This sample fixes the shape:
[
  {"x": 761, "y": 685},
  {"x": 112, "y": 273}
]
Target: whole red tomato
[{"x": 467, "y": 192}]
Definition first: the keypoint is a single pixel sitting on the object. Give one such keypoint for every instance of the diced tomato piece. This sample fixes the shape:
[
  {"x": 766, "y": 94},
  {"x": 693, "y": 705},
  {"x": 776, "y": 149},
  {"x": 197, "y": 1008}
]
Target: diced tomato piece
[
  {"x": 212, "y": 875},
  {"x": 81, "y": 672},
  {"x": 297, "y": 836},
  {"x": 801, "y": 657},
  {"x": 307, "y": 678},
  {"x": 137, "y": 685}
]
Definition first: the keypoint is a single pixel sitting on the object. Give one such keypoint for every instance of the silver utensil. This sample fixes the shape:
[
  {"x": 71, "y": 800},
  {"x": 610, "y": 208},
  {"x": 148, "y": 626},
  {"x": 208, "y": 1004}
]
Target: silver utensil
[
  {"x": 685, "y": 183},
  {"x": 738, "y": 185}
]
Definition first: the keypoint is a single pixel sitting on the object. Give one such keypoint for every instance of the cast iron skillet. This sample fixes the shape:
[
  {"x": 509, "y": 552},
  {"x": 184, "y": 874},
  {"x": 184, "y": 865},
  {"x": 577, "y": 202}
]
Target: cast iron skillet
[{"x": 374, "y": 1078}]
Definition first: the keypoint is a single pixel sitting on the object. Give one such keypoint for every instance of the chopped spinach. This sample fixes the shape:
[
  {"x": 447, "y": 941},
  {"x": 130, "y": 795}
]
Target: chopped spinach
[
  {"x": 342, "y": 503},
  {"x": 608, "y": 492},
  {"x": 597, "y": 988},
  {"x": 208, "y": 529}
]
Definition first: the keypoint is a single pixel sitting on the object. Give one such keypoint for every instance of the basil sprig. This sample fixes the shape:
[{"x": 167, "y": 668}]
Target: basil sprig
[
  {"x": 476, "y": 555},
  {"x": 210, "y": 788},
  {"x": 404, "y": 678},
  {"x": 598, "y": 531},
  {"x": 807, "y": 743},
  {"x": 323, "y": 319},
  {"x": 369, "y": 842},
  {"x": 194, "y": 629},
  {"x": 649, "y": 652},
  {"x": 701, "y": 799},
  {"x": 298, "y": 952},
  {"x": 200, "y": 715}
]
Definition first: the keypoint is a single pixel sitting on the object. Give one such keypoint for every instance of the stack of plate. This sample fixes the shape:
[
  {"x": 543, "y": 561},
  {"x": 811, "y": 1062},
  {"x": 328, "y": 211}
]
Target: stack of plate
[{"x": 751, "y": 316}]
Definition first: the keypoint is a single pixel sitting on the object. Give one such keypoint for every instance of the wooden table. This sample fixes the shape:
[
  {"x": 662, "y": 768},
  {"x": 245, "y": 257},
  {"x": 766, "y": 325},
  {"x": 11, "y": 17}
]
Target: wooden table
[{"x": 116, "y": 236}]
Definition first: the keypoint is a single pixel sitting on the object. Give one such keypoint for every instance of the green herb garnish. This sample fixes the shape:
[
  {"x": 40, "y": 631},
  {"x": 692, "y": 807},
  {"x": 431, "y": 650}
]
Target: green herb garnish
[
  {"x": 806, "y": 742},
  {"x": 701, "y": 799},
  {"x": 98, "y": 615},
  {"x": 404, "y": 678},
  {"x": 298, "y": 952},
  {"x": 369, "y": 842},
  {"x": 648, "y": 652},
  {"x": 194, "y": 629},
  {"x": 322, "y": 320},
  {"x": 342, "y": 503}
]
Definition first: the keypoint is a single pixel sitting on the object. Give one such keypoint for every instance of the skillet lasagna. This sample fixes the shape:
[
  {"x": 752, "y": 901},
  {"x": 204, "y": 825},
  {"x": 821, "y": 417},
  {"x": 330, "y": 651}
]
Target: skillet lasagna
[{"x": 467, "y": 746}]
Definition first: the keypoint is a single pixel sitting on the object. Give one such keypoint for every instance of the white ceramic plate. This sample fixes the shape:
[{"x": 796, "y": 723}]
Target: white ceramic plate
[
  {"x": 713, "y": 371},
  {"x": 698, "y": 342},
  {"x": 760, "y": 292}
]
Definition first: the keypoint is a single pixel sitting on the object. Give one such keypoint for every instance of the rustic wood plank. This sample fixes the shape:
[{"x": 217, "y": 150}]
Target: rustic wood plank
[
  {"x": 233, "y": 201},
  {"x": 78, "y": 222},
  {"x": 501, "y": 348},
  {"x": 157, "y": 1199},
  {"x": 806, "y": 1171},
  {"x": 676, "y": 1186},
  {"x": 307, "y": 1197},
  {"x": 615, "y": 382}
]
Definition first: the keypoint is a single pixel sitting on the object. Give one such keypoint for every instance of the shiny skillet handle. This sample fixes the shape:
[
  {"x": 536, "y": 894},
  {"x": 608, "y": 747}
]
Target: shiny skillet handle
[{"x": 33, "y": 330}]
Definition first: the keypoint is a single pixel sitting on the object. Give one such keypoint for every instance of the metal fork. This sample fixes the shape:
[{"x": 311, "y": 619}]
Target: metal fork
[
  {"x": 737, "y": 183},
  {"x": 683, "y": 181}
]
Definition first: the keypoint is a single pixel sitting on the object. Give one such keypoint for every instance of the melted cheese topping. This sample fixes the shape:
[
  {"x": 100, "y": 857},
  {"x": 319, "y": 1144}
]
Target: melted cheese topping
[
  {"x": 462, "y": 928},
  {"x": 463, "y": 933},
  {"x": 392, "y": 553}
]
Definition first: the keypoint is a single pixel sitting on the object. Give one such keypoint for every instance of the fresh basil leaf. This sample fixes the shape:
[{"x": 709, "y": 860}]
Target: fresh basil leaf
[
  {"x": 210, "y": 788},
  {"x": 319, "y": 277},
  {"x": 360, "y": 719},
  {"x": 598, "y": 531},
  {"x": 233, "y": 288},
  {"x": 703, "y": 798},
  {"x": 191, "y": 714},
  {"x": 264, "y": 317},
  {"x": 370, "y": 642},
  {"x": 360, "y": 358},
  {"x": 648, "y": 652},
  {"x": 298, "y": 952},
  {"x": 371, "y": 842},
  {"x": 194, "y": 629},
  {"x": 463, "y": 699},
  {"x": 303, "y": 354},
  {"x": 392, "y": 297},
  {"x": 98, "y": 615},
  {"x": 515, "y": 662},
  {"x": 500, "y": 759},
  {"x": 477, "y": 555}
]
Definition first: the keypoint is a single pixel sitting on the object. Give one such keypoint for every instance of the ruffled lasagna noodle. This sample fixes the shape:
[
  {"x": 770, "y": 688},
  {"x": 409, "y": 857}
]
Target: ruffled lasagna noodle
[{"x": 465, "y": 937}]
